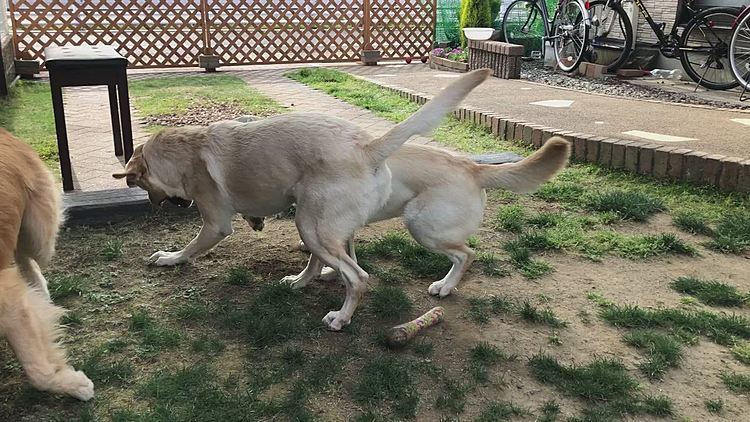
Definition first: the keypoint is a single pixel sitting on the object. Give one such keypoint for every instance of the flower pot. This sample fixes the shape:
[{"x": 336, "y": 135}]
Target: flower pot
[
  {"x": 442, "y": 63},
  {"x": 478, "y": 34}
]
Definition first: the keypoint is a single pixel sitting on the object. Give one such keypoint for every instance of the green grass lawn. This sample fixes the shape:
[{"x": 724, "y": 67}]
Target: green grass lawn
[{"x": 27, "y": 113}]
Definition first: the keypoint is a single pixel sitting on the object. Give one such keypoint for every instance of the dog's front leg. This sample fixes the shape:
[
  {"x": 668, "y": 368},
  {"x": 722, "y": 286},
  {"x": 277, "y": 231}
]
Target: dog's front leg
[{"x": 217, "y": 224}]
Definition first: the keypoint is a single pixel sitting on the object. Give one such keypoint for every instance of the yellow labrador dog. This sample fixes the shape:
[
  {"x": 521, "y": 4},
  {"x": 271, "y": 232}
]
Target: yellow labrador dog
[
  {"x": 29, "y": 220},
  {"x": 442, "y": 198},
  {"x": 332, "y": 169}
]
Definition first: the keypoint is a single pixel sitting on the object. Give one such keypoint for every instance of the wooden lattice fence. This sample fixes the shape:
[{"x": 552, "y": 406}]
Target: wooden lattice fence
[{"x": 170, "y": 33}]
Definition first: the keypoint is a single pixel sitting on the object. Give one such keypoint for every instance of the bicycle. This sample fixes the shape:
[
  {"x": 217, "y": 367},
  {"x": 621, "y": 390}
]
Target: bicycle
[
  {"x": 703, "y": 47},
  {"x": 526, "y": 22},
  {"x": 739, "y": 51}
]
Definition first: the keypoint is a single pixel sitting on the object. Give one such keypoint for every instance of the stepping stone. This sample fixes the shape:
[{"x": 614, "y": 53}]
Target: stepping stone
[
  {"x": 496, "y": 158},
  {"x": 657, "y": 136},
  {"x": 554, "y": 103},
  {"x": 745, "y": 122}
]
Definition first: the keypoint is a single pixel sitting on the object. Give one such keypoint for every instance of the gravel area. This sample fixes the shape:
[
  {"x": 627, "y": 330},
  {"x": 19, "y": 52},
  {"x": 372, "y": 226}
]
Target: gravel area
[
  {"x": 200, "y": 115},
  {"x": 535, "y": 72}
]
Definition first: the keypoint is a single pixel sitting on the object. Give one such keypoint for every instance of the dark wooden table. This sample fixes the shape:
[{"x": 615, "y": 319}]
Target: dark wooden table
[{"x": 88, "y": 65}]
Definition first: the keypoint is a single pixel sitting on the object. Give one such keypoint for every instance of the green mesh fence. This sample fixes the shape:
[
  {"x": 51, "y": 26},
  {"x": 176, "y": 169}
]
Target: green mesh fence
[{"x": 446, "y": 28}]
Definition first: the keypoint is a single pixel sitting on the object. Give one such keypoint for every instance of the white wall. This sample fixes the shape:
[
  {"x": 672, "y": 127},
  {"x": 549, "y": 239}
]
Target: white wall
[{"x": 4, "y": 19}]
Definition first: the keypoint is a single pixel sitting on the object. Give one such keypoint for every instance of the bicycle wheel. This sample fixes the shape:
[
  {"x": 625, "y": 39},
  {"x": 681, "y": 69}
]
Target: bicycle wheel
[
  {"x": 739, "y": 52},
  {"x": 570, "y": 35},
  {"x": 523, "y": 24},
  {"x": 611, "y": 35},
  {"x": 704, "y": 48}
]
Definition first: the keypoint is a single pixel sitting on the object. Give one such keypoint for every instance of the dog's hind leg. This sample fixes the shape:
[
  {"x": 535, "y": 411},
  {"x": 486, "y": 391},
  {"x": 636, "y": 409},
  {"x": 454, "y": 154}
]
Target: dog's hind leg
[
  {"x": 312, "y": 270},
  {"x": 38, "y": 232},
  {"x": 323, "y": 244},
  {"x": 32, "y": 274},
  {"x": 29, "y": 322},
  {"x": 442, "y": 221},
  {"x": 328, "y": 273},
  {"x": 461, "y": 256}
]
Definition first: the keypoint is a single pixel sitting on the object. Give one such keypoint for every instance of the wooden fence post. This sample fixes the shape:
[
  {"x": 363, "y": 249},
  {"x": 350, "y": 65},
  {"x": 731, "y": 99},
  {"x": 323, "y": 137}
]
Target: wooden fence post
[
  {"x": 208, "y": 59},
  {"x": 368, "y": 56}
]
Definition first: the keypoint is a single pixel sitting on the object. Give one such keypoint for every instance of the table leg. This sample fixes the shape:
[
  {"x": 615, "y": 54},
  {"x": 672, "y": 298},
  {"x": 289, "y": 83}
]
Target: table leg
[
  {"x": 127, "y": 129},
  {"x": 115, "y": 115},
  {"x": 62, "y": 135}
]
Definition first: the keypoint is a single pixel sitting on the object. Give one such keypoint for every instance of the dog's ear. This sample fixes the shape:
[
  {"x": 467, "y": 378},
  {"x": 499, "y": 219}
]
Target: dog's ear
[{"x": 135, "y": 169}]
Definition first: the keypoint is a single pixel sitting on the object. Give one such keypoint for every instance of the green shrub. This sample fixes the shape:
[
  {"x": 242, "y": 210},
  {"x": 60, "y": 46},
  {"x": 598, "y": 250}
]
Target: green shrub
[{"x": 475, "y": 14}]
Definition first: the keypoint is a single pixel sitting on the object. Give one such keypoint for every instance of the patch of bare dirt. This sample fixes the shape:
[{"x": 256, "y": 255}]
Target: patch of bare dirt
[{"x": 198, "y": 115}]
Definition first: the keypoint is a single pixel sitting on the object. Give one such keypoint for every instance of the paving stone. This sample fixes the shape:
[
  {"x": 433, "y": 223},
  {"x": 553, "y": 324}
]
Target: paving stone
[
  {"x": 661, "y": 162},
  {"x": 676, "y": 168},
  {"x": 694, "y": 166},
  {"x": 730, "y": 173}
]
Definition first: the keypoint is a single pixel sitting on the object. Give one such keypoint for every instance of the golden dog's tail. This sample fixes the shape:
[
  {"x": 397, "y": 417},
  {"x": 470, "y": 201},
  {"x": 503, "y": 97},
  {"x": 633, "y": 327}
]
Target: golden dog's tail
[
  {"x": 528, "y": 174},
  {"x": 428, "y": 118}
]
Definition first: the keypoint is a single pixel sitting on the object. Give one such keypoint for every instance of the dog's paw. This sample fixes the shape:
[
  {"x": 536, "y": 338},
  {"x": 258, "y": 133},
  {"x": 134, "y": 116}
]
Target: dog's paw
[
  {"x": 295, "y": 281},
  {"x": 328, "y": 274},
  {"x": 335, "y": 320},
  {"x": 166, "y": 259},
  {"x": 440, "y": 288},
  {"x": 78, "y": 385}
]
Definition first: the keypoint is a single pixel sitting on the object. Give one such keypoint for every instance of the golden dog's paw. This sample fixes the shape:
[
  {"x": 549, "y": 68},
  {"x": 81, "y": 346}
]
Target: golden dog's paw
[{"x": 78, "y": 385}]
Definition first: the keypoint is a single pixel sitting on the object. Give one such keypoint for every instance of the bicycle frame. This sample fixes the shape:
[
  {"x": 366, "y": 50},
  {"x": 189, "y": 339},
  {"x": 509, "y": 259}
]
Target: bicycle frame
[
  {"x": 658, "y": 31},
  {"x": 667, "y": 42},
  {"x": 546, "y": 16}
]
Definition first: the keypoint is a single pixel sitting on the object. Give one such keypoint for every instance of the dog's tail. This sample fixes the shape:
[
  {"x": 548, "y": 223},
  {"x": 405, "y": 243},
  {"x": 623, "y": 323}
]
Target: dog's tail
[
  {"x": 428, "y": 118},
  {"x": 528, "y": 174}
]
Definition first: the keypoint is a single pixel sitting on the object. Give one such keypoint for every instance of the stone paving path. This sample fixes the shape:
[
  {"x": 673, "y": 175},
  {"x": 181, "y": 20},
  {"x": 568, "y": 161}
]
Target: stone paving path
[
  {"x": 92, "y": 153},
  {"x": 300, "y": 97}
]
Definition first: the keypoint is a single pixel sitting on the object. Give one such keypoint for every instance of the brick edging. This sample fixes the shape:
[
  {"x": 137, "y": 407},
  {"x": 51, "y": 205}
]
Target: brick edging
[{"x": 730, "y": 174}]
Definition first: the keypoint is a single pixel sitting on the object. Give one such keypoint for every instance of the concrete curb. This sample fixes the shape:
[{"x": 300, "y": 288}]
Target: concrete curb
[{"x": 729, "y": 174}]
